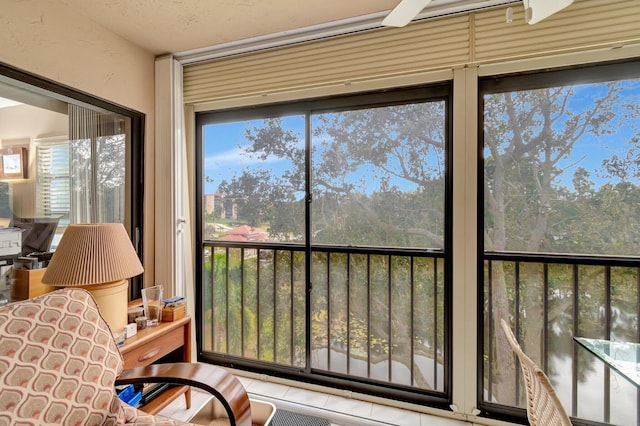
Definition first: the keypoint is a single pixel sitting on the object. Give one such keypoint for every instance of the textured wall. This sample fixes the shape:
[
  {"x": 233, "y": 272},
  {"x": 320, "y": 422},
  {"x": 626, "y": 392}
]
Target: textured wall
[{"x": 51, "y": 39}]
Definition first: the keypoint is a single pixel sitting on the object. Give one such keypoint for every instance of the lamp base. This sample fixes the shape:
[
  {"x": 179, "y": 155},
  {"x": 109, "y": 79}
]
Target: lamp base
[{"x": 112, "y": 299}]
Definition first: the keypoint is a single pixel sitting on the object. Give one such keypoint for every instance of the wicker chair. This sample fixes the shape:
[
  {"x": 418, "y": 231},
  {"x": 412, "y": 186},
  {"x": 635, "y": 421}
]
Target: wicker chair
[{"x": 543, "y": 405}]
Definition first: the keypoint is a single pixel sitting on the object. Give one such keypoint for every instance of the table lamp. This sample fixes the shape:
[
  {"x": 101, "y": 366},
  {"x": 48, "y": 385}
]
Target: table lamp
[{"x": 100, "y": 258}]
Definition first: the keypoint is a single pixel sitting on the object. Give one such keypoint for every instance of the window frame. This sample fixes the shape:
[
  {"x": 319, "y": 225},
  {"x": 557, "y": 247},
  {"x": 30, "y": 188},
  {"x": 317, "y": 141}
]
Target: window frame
[
  {"x": 134, "y": 167},
  {"x": 529, "y": 80},
  {"x": 423, "y": 93}
]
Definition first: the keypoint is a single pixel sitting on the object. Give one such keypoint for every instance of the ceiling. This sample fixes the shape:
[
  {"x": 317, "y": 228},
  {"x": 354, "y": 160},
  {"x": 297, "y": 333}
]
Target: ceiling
[{"x": 173, "y": 26}]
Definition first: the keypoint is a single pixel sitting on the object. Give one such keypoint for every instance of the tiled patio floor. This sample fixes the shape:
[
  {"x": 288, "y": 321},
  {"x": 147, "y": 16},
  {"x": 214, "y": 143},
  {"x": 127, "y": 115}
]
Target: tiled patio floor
[{"x": 341, "y": 411}]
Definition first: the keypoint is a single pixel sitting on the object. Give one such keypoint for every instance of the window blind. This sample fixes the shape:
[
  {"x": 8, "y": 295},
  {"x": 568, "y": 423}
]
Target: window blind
[
  {"x": 53, "y": 184},
  {"x": 443, "y": 43}
]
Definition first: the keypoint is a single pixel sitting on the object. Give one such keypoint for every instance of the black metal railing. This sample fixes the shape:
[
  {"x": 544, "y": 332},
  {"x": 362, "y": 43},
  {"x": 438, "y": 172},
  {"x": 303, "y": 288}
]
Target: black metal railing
[
  {"x": 548, "y": 300},
  {"x": 373, "y": 318}
]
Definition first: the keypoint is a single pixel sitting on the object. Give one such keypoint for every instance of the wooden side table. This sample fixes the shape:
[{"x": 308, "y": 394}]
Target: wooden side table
[{"x": 153, "y": 343}]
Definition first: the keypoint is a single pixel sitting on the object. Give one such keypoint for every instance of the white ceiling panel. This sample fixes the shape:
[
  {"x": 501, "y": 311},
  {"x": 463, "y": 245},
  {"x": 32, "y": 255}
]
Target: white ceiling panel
[{"x": 172, "y": 26}]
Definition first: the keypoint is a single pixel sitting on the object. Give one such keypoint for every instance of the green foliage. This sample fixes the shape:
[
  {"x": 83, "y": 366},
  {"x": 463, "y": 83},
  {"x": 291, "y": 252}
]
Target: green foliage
[
  {"x": 378, "y": 179},
  {"x": 270, "y": 330},
  {"x": 531, "y": 138}
]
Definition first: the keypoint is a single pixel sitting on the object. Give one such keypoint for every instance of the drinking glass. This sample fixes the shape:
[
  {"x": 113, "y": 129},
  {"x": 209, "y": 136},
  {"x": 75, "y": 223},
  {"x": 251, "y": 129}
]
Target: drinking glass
[{"x": 152, "y": 304}]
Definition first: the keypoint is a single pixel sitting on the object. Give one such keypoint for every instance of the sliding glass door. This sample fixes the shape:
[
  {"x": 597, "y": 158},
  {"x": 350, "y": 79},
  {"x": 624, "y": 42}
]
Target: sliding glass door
[{"x": 82, "y": 163}]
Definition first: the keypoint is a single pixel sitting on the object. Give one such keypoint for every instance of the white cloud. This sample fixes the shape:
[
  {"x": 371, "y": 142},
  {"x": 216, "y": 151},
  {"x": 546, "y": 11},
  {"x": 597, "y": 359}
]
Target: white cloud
[{"x": 235, "y": 158}]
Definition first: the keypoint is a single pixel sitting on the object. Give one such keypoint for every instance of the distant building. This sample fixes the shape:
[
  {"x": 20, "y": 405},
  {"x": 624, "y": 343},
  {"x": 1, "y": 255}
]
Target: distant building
[{"x": 224, "y": 205}]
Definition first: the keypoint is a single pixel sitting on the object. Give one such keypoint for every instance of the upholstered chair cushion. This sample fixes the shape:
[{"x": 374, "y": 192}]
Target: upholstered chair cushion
[{"x": 58, "y": 362}]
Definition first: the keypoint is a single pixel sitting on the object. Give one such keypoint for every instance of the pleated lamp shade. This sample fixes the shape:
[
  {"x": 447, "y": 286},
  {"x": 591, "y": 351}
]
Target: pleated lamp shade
[{"x": 100, "y": 258}]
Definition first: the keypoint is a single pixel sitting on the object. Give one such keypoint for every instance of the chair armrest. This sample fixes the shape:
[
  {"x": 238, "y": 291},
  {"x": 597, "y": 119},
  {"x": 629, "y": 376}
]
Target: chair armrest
[{"x": 215, "y": 380}]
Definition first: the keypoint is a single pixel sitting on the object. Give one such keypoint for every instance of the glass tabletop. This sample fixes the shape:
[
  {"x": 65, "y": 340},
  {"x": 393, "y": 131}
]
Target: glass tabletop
[{"x": 623, "y": 357}]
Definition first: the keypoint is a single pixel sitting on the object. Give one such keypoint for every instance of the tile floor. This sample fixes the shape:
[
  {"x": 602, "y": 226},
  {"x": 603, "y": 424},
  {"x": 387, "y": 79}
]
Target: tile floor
[{"x": 341, "y": 411}]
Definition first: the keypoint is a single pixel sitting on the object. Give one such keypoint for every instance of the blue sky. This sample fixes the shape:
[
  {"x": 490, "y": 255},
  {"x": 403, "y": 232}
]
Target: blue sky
[
  {"x": 224, "y": 153},
  {"x": 225, "y": 156},
  {"x": 590, "y": 150}
]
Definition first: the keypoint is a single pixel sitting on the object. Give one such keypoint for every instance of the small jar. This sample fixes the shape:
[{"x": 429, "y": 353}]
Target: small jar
[
  {"x": 141, "y": 322},
  {"x": 134, "y": 313}
]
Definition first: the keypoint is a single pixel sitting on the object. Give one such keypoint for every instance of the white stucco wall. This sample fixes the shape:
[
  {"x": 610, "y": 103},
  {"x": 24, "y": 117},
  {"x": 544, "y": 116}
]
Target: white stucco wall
[{"x": 48, "y": 38}]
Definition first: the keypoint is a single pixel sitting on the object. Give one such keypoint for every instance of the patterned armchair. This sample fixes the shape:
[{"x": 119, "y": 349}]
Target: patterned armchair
[{"x": 59, "y": 364}]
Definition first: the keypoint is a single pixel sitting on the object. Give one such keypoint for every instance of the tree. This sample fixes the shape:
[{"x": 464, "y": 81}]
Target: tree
[
  {"x": 378, "y": 176},
  {"x": 529, "y": 137},
  {"x": 377, "y": 179},
  {"x": 263, "y": 196},
  {"x": 388, "y": 165}
]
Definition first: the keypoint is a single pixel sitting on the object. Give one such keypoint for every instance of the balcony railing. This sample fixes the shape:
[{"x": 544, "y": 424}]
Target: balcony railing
[
  {"x": 550, "y": 299},
  {"x": 369, "y": 320},
  {"x": 375, "y": 321}
]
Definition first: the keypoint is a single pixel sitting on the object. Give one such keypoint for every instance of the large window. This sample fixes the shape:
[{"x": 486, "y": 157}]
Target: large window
[
  {"x": 324, "y": 241},
  {"x": 325, "y": 238},
  {"x": 561, "y": 232}
]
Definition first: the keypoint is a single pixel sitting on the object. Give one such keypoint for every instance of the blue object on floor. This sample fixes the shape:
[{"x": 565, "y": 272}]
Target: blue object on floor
[{"x": 130, "y": 396}]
